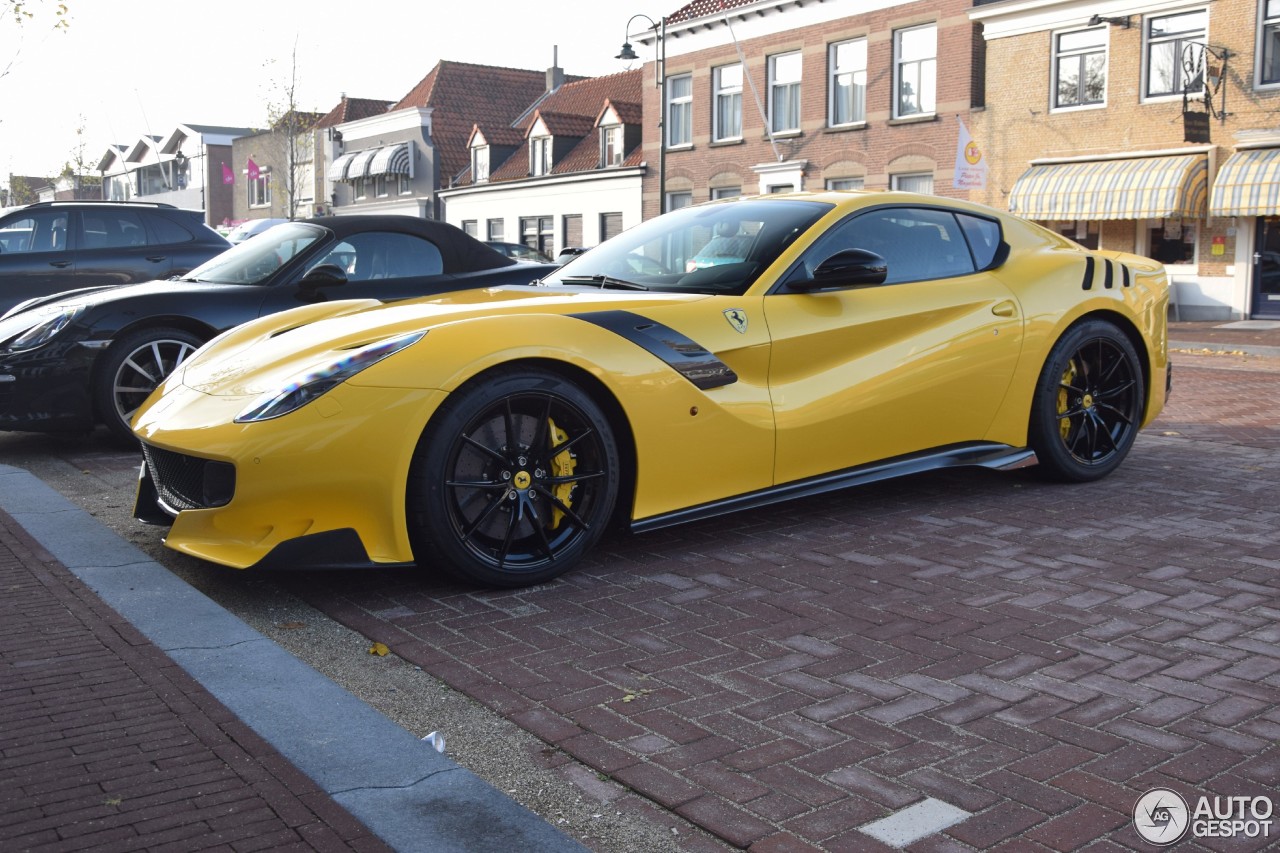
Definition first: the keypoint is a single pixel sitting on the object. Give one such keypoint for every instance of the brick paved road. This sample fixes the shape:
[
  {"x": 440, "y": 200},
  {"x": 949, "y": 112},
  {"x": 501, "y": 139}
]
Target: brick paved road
[{"x": 1038, "y": 655}]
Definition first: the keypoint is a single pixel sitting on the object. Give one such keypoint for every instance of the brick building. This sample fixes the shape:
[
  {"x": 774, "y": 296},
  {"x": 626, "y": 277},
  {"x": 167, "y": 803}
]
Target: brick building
[
  {"x": 778, "y": 95},
  {"x": 1084, "y": 130}
]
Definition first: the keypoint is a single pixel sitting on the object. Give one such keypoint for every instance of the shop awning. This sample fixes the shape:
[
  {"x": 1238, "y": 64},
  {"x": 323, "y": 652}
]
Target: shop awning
[
  {"x": 1248, "y": 184},
  {"x": 1145, "y": 188},
  {"x": 391, "y": 160},
  {"x": 359, "y": 165},
  {"x": 338, "y": 168}
]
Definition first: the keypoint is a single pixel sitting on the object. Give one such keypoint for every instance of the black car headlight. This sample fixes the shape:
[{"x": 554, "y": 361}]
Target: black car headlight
[
  {"x": 304, "y": 388},
  {"x": 19, "y": 332}
]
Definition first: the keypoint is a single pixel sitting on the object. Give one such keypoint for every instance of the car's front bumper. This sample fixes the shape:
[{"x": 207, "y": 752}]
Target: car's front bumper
[
  {"x": 47, "y": 389},
  {"x": 322, "y": 486}
]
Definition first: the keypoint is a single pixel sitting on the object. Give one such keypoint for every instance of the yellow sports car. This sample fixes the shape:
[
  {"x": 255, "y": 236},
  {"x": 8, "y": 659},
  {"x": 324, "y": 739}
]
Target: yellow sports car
[{"x": 718, "y": 357}]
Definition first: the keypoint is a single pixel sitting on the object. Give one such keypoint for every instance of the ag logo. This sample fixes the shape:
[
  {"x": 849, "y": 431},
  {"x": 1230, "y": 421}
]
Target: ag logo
[
  {"x": 1161, "y": 816},
  {"x": 737, "y": 318}
]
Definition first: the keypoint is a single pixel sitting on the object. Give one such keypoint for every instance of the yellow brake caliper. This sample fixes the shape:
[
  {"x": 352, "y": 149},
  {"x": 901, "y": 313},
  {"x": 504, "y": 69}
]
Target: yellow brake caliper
[
  {"x": 1064, "y": 399},
  {"x": 562, "y": 465}
]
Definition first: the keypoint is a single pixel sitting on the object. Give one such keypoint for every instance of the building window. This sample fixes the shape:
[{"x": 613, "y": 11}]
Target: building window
[
  {"x": 1172, "y": 241},
  {"x": 1270, "y": 50},
  {"x": 675, "y": 201},
  {"x": 726, "y": 114},
  {"x": 844, "y": 183},
  {"x": 915, "y": 71},
  {"x": 480, "y": 164},
  {"x": 380, "y": 186},
  {"x": 680, "y": 110},
  {"x": 1173, "y": 65},
  {"x": 540, "y": 155},
  {"x": 470, "y": 227},
  {"x": 726, "y": 192},
  {"x": 1080, "y": 68},
  {"x": 921, "y": 182},
  {"x": 784, "y": 92},
  {"x": 496, "y": 229},
  {"x": 360, "y": 188},
  {"x": 405, "y": 188},
  {"x": 610, "y": 225},
  {"x": 260, "y": 191},
  {"x": 611, "y": 145},
  {"x": 848, "y": 84},
  {"x": 538, "y": 232}
]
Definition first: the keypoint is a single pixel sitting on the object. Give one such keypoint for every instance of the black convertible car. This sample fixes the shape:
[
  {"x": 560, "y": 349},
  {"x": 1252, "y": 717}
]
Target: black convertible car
[{"x": 91, "y": 356}]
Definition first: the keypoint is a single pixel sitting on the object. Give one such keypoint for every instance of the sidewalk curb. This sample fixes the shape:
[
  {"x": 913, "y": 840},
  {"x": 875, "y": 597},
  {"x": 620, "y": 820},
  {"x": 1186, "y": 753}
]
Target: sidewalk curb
[{"x": 403, "y": 790}]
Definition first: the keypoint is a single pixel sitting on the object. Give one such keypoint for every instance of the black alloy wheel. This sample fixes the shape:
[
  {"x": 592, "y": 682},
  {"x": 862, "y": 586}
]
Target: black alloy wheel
[
  {"x": 131, "y": 369},
  {"x": 514, "y": 479},
  {"x": 1088, "y": 403}
]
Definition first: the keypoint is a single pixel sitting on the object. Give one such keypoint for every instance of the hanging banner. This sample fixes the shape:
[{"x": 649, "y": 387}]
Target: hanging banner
[{"x": 971, "y": 162}]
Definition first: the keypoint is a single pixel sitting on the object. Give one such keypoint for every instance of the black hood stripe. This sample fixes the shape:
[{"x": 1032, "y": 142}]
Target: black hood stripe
[{"x": 685, "y": 356}]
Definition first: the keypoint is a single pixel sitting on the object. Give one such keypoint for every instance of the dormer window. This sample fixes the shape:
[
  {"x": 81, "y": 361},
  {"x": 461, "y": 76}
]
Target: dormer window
[
  {"x": 611, "y": 146},
  {"x": 540, "y": 155},
  {"x": 480, "y": 164}
]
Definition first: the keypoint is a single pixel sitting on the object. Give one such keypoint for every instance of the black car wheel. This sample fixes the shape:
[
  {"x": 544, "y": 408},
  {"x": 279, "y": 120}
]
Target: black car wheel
[
  {"x": 1088, "y": 403},
  {"x": 514, "y": 479},
  {"x": 132, "y": 368}
]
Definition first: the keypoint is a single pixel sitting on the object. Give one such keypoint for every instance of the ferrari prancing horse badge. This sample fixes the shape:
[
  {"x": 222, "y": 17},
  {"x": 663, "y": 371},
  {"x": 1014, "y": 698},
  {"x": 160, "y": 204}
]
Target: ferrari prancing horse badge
[{"x": 737, "y": 318}]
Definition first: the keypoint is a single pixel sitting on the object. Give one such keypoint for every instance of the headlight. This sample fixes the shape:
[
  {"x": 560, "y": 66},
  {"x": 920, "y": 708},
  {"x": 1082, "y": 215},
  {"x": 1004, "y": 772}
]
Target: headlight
[
  {"x": 51, "y": 321},
  {"x": 304, "y": 388}
]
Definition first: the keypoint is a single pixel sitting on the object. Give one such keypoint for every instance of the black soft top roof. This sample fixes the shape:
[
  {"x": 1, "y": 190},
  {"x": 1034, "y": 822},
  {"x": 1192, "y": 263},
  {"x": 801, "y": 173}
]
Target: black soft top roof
[{"x": 460, "y": 251}]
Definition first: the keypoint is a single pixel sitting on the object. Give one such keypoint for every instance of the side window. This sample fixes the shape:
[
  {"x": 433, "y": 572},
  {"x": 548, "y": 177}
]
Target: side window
[
  {"x": 917, "y": 243},
  {"x": 380, "y": 255},
  {"x": 45, "y": 231},
  {"x": 167, "y": 231},
  {"x": 983, "y": 236},
  {"x": 111, "y": 229}
]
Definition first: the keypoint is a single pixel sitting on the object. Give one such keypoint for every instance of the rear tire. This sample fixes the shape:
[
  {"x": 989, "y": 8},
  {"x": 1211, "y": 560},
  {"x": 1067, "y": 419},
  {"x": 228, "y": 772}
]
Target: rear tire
[
  {"x": 514, "y": 479},
  {"x": 1088, "y": 403}
]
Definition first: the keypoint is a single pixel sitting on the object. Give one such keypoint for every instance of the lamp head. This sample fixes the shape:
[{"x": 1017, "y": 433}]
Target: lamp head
[{"x": 627, "y": 52}]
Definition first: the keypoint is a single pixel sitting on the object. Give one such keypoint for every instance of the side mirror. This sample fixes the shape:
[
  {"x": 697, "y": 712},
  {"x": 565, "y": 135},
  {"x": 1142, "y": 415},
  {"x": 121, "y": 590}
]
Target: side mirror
[
  {"x": 324, "y": 275},
  {"x": 846, "y": 268}
]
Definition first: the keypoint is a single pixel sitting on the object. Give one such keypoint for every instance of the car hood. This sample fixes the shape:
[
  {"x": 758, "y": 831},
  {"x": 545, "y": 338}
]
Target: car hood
[
  {"x": 91, "y": 296},
  {"x": 260, "y": 355}
]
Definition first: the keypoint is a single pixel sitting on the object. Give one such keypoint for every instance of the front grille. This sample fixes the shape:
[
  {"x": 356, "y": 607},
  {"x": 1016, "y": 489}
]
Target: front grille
[{"x": 189, "y": 482}]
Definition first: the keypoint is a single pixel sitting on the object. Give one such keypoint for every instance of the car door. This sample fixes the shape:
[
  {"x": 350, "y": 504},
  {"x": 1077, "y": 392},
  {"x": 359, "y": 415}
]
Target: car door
[
  {"x": 378, "y": 265},
  {"x": 113, "y": 248},
  {"x": 35, "y": 256},
  {"x": 873, "y": 372}
]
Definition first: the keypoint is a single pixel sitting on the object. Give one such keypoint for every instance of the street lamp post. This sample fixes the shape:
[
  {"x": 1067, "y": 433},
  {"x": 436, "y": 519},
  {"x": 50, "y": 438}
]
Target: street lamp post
[{"x": 660, "y": 80}]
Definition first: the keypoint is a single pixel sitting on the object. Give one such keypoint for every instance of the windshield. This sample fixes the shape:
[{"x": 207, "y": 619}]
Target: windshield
[
  {"x": 253, "y": 261},
  {"x": 711, "y": 248}
]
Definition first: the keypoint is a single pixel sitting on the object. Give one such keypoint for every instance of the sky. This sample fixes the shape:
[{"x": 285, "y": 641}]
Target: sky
[{"x": 120, "y": 70}]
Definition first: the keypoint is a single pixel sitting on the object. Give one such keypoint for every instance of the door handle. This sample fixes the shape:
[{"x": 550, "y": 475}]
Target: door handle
[
  {"x": 155, "y": 259},
  {"x": 60, "y": 264},
  {"x": 1004, "y": 309}
]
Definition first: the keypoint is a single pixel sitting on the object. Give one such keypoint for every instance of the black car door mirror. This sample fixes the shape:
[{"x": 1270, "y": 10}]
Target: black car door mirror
[
  {"x": 324, "y": 275},
  {"x": 846, "y": 268}
]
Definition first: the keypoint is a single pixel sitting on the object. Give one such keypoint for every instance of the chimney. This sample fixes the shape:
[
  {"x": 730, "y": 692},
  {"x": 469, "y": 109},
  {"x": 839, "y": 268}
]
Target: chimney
[{"x": 555, "y": 74}]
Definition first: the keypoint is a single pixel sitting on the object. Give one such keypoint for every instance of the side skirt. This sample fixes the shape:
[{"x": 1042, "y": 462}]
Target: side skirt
[{"x": 1000, "y": 457}]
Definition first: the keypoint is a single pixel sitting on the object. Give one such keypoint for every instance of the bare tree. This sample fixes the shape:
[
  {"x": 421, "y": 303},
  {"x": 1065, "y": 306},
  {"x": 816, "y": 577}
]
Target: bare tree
[
  {"x": 292, "y": 141},
  {"x": 25, "y": 12},
  {"x": 75, "y": 170}
]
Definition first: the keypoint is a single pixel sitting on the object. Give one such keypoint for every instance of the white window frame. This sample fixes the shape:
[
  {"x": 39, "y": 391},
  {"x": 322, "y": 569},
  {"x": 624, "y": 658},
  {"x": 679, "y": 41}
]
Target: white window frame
[
  {"x": 726, "y": 192},
  {"x": 679, "y": 132},
  {"x": 677, "y": 200},
  {"x": 540, "y": 155},
  {"x": 921, "y": 70},
  {"x": 790, "y": 82},
  {"x": 1183, "y": 38},
  {"x": 851, "y": 75},
  {"x": 845, "y": 183},
  {"x": 1268, "y": 24},
  {"x": 1058, "y": 53},
  {"x": 896, "y": 182},
  {"x": 260, "y": 190},
  {"x": 405, "y": 185},
  {"x": 612, "y": 145},
  {"x": 496, "y": 230},
  {"x": 479, "y": 164},
  {"x": 728, "y": 95}
]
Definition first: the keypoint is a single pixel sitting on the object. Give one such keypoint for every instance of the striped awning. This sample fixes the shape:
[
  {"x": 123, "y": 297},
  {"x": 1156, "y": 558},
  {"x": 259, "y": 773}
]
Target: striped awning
[
  {"x": 359, "y": 165},
  {"x": 1248, "y": 184},
  {"x": 338, "y": 169},
  {"x": 391, "y": 160},
  {"x": 1146, "y": 188}
]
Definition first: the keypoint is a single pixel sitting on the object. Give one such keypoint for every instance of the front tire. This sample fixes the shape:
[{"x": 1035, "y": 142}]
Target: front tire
[
  {"x": 131, "y": 369},
  {"x": 1088, "y": 403},
  {"x": 513, "y": 480}
]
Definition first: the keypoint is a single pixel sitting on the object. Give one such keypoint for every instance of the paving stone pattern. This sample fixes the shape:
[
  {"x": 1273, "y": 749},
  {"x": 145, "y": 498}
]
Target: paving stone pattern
[
  {"x": 106, "y": 744},
  {"x": 1039, "y": 655}
]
